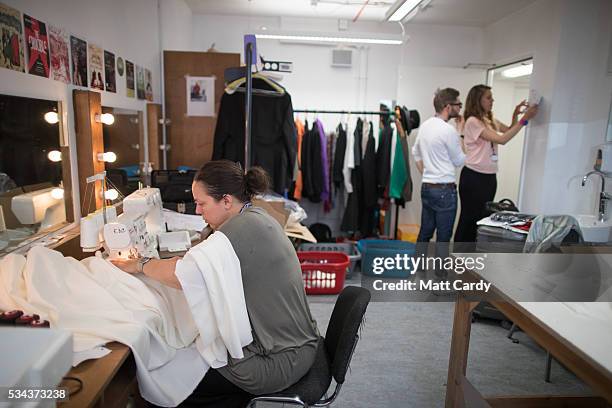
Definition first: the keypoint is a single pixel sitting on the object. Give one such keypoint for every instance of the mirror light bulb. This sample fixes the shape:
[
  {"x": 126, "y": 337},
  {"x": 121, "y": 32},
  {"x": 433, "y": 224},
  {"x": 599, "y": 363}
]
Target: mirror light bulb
[
  {"x": 54, "y": 155},
  {"x": 51, "y": 117},
  {"x": 111, "y": 194},
  {"x": 109, "y": 157},
  {"x": 107, "y": 118},
  {"x": 57, "y": 193}
]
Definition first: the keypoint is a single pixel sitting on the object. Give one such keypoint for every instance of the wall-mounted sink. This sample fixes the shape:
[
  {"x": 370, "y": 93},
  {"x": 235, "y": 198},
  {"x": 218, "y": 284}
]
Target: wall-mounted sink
[{"x": 594, "y": 230}]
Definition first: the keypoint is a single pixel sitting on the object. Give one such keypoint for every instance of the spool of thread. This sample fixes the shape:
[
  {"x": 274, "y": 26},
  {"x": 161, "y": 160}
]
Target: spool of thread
[
  {"x": 8, "y": 318},
  {"x": 40, "y": 324},
  {"x": 25, "y": 320}
]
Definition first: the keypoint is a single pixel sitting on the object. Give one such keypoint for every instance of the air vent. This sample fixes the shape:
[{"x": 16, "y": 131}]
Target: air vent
[{"x": 342, "y": 58}]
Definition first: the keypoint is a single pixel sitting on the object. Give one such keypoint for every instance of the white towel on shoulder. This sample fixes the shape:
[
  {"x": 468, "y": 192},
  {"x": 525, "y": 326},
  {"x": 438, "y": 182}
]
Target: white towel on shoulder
[{"x": 211, "y": 279}]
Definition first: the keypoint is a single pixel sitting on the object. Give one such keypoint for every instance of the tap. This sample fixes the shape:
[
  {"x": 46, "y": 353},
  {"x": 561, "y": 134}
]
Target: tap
[{"x": 603, "y": 196}]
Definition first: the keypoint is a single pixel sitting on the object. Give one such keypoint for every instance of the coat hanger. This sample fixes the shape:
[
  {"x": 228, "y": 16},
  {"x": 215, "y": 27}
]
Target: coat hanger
[{"x": 236, "y": 84}]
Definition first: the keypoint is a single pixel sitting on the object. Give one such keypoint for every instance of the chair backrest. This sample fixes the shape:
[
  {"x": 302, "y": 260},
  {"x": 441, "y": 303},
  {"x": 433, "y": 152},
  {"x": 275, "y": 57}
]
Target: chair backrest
[
  {"x": 322, "y": 232},
  {"x": 343, "y": 329}
]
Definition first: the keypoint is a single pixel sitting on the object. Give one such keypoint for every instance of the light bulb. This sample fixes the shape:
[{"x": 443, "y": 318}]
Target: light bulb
[
  {"x": 52, "y": 117},
  {"x": 107, "y": 118},
  {"x": 108, "y": 157},
  {"x": 57, "y": 193},
  {"x": 111, "y": 194},
  {"x": 54, "y": 155}
]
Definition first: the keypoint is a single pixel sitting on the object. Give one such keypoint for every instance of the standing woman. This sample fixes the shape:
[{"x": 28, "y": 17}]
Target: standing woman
[{"x": 482, "y": 134}]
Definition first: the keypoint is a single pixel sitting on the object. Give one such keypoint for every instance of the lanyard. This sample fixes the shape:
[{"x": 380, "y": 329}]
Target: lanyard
[{"x": 246, "y": 205}]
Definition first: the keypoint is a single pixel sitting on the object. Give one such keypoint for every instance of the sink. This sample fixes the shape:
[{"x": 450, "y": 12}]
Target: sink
[{"x": 594, "y": 230}]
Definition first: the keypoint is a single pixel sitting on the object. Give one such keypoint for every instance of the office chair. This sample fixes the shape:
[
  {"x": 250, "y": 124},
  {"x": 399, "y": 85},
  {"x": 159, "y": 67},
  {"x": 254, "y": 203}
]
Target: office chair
[{"x": 334, "y": 353}]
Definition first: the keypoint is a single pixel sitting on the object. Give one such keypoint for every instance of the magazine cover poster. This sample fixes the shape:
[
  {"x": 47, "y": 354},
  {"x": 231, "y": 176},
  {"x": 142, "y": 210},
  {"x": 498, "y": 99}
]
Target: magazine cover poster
[
  {"x": 12, "y": 39},
  {"x": 148, "y": 85},
  {"x": 140, "y": 85},
  {"x": 96, "y": 67},
  {"x": 109, "y": 71},
  {"x": 78, "y": 51},
  {"x": 37, "y": 46},
  {"x": 60, "y": 61},
  {"x": 129, "y": 78}
]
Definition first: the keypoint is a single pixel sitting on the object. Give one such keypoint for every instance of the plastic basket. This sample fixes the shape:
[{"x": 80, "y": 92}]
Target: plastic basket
[
  {"x": 347, "y": 248},
  {"x": 323, "y": 272},
  {"x": 380, "y": 248}
]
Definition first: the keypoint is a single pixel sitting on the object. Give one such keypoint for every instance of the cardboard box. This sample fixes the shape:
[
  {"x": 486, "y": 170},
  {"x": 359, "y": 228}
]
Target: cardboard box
[{"x": 275, "y": 208}]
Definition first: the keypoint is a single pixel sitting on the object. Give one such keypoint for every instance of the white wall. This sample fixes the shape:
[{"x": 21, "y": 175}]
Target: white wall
[
  {"x": 175, "y": 25},
  {"x": 569, "y": 41},
  {"x": 129, "y": 29}
]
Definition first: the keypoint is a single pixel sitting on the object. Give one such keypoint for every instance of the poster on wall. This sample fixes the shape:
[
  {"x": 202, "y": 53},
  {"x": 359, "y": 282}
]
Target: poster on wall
[
  {"x": 12, "y": 39},
  {"x": 120, "y": 66},
  {"x": 60, "y": 61},
  {"x": 96, "y": 65},
  {"x": 148, "y": 85},
  {"x": 78, "y": 52},
  {"x": 140, "y": 85},
  {"x": 200, "y": 96},
  {"x": 109, "y": 71},
  {"x": 37, "y": 46},
  {"x": 129, "y": 78}
]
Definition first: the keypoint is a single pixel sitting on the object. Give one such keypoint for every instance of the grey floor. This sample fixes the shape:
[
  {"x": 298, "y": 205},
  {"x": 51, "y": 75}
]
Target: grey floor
[{"x": 402, "y": 357}]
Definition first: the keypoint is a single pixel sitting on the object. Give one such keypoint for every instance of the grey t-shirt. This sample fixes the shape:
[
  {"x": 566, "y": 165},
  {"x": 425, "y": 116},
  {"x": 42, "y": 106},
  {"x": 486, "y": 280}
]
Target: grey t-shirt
[{"x": 284, "y": 333}]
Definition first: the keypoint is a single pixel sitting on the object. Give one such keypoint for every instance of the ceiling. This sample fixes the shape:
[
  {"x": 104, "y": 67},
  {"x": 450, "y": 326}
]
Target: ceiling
[{"x": 476, "y": 13}]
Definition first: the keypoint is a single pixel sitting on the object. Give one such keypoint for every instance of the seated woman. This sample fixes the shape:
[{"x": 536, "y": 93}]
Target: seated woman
[{"x": 284, "y": 334}]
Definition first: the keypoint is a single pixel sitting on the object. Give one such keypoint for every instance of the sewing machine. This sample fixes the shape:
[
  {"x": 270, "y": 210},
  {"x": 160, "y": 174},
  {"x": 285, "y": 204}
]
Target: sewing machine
[
  {"x": 39, "y": 207},
  {"x": 132, "y": 234}
]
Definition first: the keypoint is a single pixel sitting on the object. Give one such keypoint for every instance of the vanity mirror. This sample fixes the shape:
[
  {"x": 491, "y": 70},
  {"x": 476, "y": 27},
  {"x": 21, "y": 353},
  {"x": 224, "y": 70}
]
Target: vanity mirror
[
  {"x": 34, "y": 169},
  {"x": 125, "y": 138}
]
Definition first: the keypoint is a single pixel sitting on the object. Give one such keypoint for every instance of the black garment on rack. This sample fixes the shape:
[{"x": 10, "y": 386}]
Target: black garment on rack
[
  {"x": 337, "y": 176},
  {"x": 273, "y": 134},
  {"x": 350, "y": 219},
  {"x": 369, "y": 196},
  {"x": 383, "y": 159},
  {"x": 312, "y": 164}
]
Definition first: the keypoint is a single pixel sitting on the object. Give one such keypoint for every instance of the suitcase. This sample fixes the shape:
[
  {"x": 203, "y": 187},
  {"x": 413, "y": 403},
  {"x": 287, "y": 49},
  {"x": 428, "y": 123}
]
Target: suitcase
[
  {"x": 181, "y": 207},
  {"x": 174, "y": 185},
  {"x": 494, "y": 239}
]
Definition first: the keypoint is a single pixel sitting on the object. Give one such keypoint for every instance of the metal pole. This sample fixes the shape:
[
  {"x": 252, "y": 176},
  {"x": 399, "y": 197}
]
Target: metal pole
[{"x": 248, "y": 107}]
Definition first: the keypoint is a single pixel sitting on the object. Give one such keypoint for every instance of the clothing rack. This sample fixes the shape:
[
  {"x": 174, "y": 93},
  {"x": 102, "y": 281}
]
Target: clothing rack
[
  {"x": 350, "y": 112},
  {"x": 342, "y": 112}
]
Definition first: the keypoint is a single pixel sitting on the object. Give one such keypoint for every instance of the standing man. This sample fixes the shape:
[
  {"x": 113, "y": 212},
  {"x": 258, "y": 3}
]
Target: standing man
[{"x": 438, "y": 151}]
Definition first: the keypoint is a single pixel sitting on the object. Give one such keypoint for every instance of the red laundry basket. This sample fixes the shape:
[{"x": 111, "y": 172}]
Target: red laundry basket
[{"x": 323, "y": 272}]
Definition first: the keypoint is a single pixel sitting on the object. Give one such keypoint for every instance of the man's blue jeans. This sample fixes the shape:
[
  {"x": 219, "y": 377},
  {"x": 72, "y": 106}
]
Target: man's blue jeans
[{"x": 439, "y": 212}]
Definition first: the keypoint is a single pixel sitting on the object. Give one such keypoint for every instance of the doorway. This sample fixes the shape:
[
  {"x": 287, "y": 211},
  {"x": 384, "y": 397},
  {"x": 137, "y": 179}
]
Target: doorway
[{"x": 510, "y": 85}]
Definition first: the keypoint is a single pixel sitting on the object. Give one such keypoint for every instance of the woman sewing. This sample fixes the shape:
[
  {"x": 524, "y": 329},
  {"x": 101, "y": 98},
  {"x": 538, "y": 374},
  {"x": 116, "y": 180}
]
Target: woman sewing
[{"x": 284, "y": 334}]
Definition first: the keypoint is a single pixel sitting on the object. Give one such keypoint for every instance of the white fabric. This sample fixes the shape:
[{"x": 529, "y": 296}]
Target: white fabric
[
  {"x": 349, "y": 160},
  {"x": 439, "y": 148},
  {"x": 211, "y": 279},
  {"x": 100, "y": 303},
  {"x": 364, "y": 138}
]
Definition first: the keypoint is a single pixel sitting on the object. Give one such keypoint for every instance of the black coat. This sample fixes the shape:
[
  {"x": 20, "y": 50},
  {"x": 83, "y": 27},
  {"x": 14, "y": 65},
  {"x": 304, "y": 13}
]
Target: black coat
[{"x": 273, "y": 134}]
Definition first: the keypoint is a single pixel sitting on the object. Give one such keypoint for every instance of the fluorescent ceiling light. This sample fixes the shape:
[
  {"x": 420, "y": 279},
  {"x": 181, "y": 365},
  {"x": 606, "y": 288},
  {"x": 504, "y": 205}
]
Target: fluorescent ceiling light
[
  {"x": 518, "y": 71},
  {"x": 330, "y": 39},
  {"x": 402, "y": 8}
]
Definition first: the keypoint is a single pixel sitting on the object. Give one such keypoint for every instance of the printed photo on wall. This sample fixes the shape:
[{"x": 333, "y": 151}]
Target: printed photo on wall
[
  {"x": 96, "y": 67},
  {"x": 37, "y": 46},
  {"x": 200, "y": 96},
  {"x": 12, "y": 39},
  {"x": 60, "y": 61},
  {"x": 148, "y": 85},
  {"x": 109, "y": 71},
  {"x": 120, "y": 66},
  {"x": 78, "y": 51},
  {"x": 140, "y": 83},
  {"x": 129, "y": 78}
]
